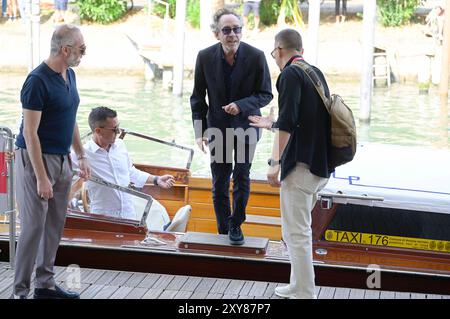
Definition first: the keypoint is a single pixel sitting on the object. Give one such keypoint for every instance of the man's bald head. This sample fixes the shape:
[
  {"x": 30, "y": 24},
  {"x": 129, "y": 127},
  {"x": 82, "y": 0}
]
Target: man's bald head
[{"x": 65, "y": 34}]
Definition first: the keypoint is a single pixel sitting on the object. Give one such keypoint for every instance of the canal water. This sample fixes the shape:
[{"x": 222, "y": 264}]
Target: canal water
[{"x": 400, "y": 115}]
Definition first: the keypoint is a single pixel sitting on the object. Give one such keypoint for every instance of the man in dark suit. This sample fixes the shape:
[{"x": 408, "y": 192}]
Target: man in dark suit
[{"x": 236, "y": 77}]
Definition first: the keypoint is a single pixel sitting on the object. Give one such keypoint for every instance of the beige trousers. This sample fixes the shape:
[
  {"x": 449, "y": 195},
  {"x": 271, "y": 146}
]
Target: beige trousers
[{"x": 298, "y": 196}]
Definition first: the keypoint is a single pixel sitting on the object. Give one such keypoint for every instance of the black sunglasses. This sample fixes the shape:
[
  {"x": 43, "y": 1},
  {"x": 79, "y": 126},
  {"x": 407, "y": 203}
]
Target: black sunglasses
[
  {"x": 82, "y": 49},
  {"x": 116, "y": 130},
  {"x": 227, "y": 30}
]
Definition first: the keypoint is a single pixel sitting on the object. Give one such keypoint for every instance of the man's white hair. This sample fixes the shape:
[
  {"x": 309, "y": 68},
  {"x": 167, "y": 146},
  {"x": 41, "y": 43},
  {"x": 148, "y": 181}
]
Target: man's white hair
[{"x": 63, "y": 35}]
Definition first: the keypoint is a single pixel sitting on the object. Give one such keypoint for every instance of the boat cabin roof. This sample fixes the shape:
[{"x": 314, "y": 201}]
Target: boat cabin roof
[{"x": 412, "y": 178}]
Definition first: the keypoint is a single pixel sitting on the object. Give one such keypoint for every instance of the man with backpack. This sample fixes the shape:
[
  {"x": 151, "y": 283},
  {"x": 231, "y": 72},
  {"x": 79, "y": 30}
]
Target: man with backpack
[{"x": 301, "y": 151}]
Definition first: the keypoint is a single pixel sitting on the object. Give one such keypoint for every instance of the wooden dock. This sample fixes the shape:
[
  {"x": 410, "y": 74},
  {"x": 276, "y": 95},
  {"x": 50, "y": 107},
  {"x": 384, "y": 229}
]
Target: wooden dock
[{"x": 107, "y": 284}]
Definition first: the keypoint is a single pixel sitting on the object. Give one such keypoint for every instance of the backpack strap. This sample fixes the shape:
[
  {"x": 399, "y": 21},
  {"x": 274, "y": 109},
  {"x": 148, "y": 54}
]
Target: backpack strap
[{"x": 315, "y": 80}]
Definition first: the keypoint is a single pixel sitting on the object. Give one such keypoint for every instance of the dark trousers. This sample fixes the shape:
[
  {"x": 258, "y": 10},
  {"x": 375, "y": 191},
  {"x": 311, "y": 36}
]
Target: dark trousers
[
  {"x": 337, "y": 7},
  {"x": 221, "y": 173}
]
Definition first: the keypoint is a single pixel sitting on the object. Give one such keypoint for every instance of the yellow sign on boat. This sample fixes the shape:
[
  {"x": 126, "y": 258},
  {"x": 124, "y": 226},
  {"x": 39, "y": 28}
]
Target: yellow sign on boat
[{"x": 387, "y": 241}]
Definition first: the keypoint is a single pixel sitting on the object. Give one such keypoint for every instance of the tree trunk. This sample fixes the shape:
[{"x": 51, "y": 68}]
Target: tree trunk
[{"x": 217, "y": 4}]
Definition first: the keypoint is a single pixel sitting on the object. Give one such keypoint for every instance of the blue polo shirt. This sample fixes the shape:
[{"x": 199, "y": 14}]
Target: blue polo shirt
[{"x": 45, "y": 90}]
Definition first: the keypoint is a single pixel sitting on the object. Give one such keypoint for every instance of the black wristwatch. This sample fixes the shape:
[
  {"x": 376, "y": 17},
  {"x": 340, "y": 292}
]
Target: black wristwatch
[
  {"x": 273, "y": 162},
  {"x": 155, "y": 180}
]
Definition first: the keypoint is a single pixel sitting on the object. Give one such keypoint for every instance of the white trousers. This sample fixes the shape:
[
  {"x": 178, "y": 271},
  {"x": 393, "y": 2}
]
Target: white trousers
[{"x": 297, "y": 197}]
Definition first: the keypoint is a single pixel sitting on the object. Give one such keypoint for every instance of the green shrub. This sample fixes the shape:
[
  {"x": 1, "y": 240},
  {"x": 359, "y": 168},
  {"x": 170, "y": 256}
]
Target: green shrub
[
  {"x": 269, "y": 12},
  {"x": 160, "y": 10},
  {"x": 102, "y": 11},
  {"x": 193, "y": 13},
  {"x": 396, "y": 12}
]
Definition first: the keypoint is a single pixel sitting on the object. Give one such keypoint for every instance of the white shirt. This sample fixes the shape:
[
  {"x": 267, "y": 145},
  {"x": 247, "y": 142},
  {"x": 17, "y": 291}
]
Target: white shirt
[{"x": 113, "y": 166}]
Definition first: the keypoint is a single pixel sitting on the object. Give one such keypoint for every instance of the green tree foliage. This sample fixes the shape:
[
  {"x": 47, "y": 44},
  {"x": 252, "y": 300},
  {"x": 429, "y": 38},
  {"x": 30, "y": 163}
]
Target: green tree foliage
[
  {"x": 192, "y": 11},
  {"x": 286, "y": 10},
  {"x": 269, "y": 11},
  {"x": 102, "y": 11},
  {"x": 396, "y": 12},
  {"x": 160, "y": 10}
]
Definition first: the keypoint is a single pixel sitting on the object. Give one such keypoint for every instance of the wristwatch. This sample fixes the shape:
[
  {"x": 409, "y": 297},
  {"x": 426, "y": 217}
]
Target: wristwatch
[
  {"x": 155, "y": 180},
  {"x": 273, "y": 162}
]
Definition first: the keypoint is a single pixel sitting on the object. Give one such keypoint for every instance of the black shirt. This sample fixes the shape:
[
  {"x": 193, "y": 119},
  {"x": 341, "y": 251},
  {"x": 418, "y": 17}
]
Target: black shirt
[
  {"x": 303, "y": 114},
  {"x": 228, "y": 74}
]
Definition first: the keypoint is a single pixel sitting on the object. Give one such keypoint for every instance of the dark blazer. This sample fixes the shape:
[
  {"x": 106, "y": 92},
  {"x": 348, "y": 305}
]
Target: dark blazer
[{"x": 251, "y": 88}]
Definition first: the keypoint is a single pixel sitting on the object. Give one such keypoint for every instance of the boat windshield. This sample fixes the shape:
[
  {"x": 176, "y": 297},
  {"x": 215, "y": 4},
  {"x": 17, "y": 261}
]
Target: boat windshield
[{"x": 122, "y": 203}]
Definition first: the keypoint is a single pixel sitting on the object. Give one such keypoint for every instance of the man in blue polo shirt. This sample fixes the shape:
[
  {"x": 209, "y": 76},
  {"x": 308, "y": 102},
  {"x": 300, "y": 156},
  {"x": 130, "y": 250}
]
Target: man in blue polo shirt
[{"x": 49, "y": 103}]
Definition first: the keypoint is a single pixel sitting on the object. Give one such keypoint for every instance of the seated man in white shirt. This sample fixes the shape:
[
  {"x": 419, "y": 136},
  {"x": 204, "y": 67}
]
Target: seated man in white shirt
[{"x": 109, "y": 160}]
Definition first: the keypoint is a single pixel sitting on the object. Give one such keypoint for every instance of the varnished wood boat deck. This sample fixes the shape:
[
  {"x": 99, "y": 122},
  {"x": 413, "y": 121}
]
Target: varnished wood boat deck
[{"x": 107, "y": 284}]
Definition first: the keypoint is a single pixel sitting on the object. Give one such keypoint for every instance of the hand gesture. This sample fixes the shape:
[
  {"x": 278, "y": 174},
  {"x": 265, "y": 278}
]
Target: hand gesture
[
  {"x": 262, "y": 122},
  {"x": 202, "y": 143},
  {"x": 272, "y": 176},
  {"x": 44, "y": 188},
  {"x": 232, "y": 109},
  {"x": 85, "y": 169},
  {"x": 166, "y": 181},
  {"x": 9, "y": 156}
]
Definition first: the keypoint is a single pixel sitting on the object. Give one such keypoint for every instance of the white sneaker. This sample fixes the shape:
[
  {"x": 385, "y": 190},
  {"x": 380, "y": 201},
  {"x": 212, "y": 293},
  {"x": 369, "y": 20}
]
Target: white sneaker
[{"x": 285, "y": 292}]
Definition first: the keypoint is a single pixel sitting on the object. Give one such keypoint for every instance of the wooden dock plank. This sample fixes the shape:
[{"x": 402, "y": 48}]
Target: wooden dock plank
[
  {"x": 220, "y": 286},
  {"x": 107, "y": 277},
  {"x": 121, "y": 293},
  {"x": 152, "y": 293},
  {"x": 121, "y": 278},
  {"x": 402, "y": 295},
  {"x": 372, "y": 294},
  {"x": 8, "y": 273},
  {"x": 258, "y": 289},
  {"x": 356, "y": 294},
  {"x": 246, "y": 297},
  {"x": 168, "y": 294},
  {"x": 135, "y": 279},
  {"x": 177, "y": 283},
  {"x": 326, "y": 293},
  {"x": 149, "y": 281},
  {"x": 92, "y": 276},
  {"x": 342, "y": 293},
  {"x": 163, "y": 282},
  {"x": 199, "y": 295},
  {"x": 246, "y": 289},
  {"x": 205, "y": 285},
  {"x": 137, "y": 293},
  {"x": 387, "y": 295},
  {"x": 182, "y": 294},
  {"x": 105, "y": 284},
  {"x": 270, "y": 290},
  {"x": 234, "y": 287},
  {"x": 191, "y": 284},
  {"x": 6, "y": 288},
  {"x": 91, "y": 291},
  {"x": 106, "y": 292}
]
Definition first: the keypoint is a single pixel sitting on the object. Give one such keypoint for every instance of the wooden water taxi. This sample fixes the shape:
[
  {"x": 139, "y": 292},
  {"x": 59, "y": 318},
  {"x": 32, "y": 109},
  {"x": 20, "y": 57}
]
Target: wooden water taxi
[{"x": 382, "y": 222}]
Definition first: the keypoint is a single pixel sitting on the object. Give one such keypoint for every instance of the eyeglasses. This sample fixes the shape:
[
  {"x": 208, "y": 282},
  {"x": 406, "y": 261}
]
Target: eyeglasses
[
  {"x": 116, "y": 130},
  {"x": 81, "y": 49},
  {"x": 273, "y": 52},
  {"x": 227, "y": 30}
]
